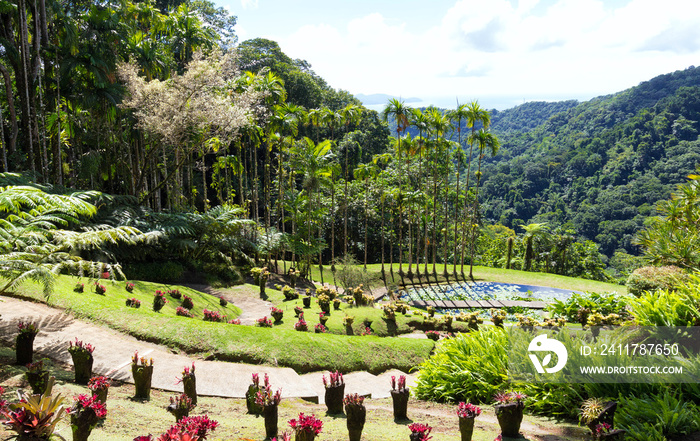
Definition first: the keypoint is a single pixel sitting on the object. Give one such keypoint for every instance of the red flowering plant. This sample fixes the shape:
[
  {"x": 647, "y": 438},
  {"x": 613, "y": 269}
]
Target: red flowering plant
[
  {"x": 213, "y": 316},
  {"x": 159, "y": 300},
  {"x": 284, "y": 437},
  {"x": 100, "y": 289},
  {"x": 354, "y": 400},
  {"x": 129, "y": 287},
  {"x": 320, "y": 329},
  {"x": 433, "y": 335},
  {"x": 79, "y": 287},
  {"x": 264, "y": 322},
  {"x": 187, "y": 302},
  {"x": 180, "y": 406},
  {"x": 468, "y": 410},
  {"x": 276, "y": 314},
  {"x": 298, "y": 311},
  {"x": 335, "y": 379},
  {"x": 99, "y": 383},
  {"x": 86, "y": 412},
  {"x": 367, "y": 331},
  {"x": 27, "y": 328},
  {"x": 183, "y": 312},
  {"x": 3, "y": 403},
  {"x": 422, "y": 429},
  {"x": 174, "y": 293},
  {"x": 80, "y": 350},
  {"x": 234, "y": 322},
  {"x": 133, "y": 303},
  {"x": 401, "y": 383},
  {"x": 601, "y": 429},
  {"x": 512, "y": 397},
  {"x": 265, "y": 397},
  {"x": 306, "y": 423},
  {"x": 187, "y": 429}
]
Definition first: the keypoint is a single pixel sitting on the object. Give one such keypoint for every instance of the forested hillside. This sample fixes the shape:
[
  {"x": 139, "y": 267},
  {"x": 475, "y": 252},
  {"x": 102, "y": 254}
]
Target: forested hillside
[{"x": 599, "y": 166}]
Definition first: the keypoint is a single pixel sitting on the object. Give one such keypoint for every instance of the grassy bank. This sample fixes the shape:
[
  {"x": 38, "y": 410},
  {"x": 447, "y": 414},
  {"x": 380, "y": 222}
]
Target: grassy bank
[{"x": 302, "y": 351}]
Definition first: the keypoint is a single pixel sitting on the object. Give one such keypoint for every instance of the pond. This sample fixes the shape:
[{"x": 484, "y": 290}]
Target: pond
[{"x": 486, "y": 291}]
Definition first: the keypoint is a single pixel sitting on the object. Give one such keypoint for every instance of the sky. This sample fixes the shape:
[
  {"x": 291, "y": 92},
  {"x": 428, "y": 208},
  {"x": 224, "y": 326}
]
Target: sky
[{"x": 499, "y": 52}]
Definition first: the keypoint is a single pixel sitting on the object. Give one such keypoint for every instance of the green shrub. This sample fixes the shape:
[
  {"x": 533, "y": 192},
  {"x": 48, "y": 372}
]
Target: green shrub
[
  {"x": 605, "y": 303},
  {"x": 651, "y": 278},
  {"x": 470, "y": 367},
  {"x": 668, "y": 308},
  {"x": 657, "y": 417}
]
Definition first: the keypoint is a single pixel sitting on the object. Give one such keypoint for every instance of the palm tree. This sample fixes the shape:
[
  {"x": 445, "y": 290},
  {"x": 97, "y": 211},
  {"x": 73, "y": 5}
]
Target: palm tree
[
  {"x": 474, "y": 114},
  {"x": 532, "y": 232},
  {"x": 384, "y": 158},
  {"x": 486, "y": 141},
  {"x": 400, "y": 112},
  {"x": 365, "y": 172},
  {"x": 314, "y": 161},
  {"x": 420, "y": 121}
]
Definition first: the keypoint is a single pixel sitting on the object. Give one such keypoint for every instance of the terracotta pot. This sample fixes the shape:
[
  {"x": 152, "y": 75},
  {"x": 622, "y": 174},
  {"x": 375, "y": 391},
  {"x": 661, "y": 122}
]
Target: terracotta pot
[
  {"x": 400, "y": 402},
  {"x": 466, "y": 428},
  {"x": 24, "y": 350},
  {"x": 509, "y": 418},
  {"x": 334, "y": 398},
  {"x": 270, "y": 415}
]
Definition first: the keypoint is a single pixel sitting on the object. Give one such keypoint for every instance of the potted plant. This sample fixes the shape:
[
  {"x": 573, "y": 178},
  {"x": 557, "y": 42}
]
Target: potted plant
[
  {"x": 498, "y": 316},
  {"x": 99, "y": 387},
  {"x": 322, "y": 318},
  {"x": 82, "y": 360},
  {"x": 129, "y": 287},
  {"x": 86, "y": 412},
  {"x": 183, "y": 312},
  {"x": 187, "y": 302},
  {"x": 189, "y": 383},
  {"x": 159, "y": 301},
  {"x": 37, "y": 376},
  {"x": 180, "y": 406},
  {"x": 269, "y": 402},
  {"x": 252, "y": 393},
  {"x": 293, "y": 276},
  {"x": 262, "y": 280},
  {"x": 35, "y": 417},
  {"x": 336, "y": 304},
  {"x": 100, "y": 289},
  {"x": 509, "y": 411},
  {"x": 399, "y": 397},
  {"x": 595, "y": 411},
  {"x": 307, "y": 302},
  {"x": 419, "y": 432},
  {"x": 24, "y": 349},
  {"x": 276, "y": 314},
  {"x": 133, "y": 303},
  {"x": 348, "y": 320},
  {"x": 306, "y": 427},
  {"x": 356, "y": 415},
  {"x": 142, "y": 370},
  {"x": 320, "y": 328},
  {"x": 324, "y": 302},
  {"x": 298, "y": 310},
  {"x": 79, "y": 287},
  {"x": 301, "y": 325},
  {"x": 389, "y": 312},
  {"x": 433, "y": 335},
  {"x": 335, "y": 390},
  {"x": 263, "y": 322},
  {"x": 174, "y": 293},
  {"x": 466, "y": 413}
]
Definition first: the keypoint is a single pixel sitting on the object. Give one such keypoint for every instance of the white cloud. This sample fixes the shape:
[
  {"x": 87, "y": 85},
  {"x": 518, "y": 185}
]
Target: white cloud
[
  {"x": 548, "y": 48},
  {"x": 249, "y": 4}
]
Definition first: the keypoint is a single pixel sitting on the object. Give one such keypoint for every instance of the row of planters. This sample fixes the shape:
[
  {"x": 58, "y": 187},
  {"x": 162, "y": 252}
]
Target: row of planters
[{"x": 88, "y": 411}]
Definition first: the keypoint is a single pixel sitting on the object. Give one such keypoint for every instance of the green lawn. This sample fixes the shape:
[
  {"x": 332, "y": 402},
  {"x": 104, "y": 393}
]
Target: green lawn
[{"x": 303, "y": 351}]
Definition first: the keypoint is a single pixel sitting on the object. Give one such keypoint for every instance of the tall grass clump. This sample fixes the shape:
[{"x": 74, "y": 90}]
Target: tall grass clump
[
  {"x": 668, "y": 308},
  {"x": 470, "y": 367},
  {"x": 657, "y": 417}
]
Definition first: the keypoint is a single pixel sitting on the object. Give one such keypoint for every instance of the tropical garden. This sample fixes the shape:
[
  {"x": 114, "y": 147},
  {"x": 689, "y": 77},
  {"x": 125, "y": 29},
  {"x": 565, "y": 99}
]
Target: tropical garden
[{"x": 146, "y": 154}]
